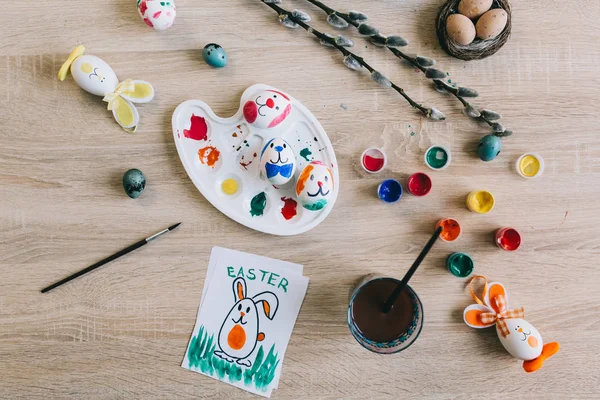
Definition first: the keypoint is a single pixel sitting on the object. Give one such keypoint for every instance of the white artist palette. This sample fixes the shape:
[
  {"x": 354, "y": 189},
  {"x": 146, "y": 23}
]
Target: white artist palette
[{"x": 222, "y": 156}]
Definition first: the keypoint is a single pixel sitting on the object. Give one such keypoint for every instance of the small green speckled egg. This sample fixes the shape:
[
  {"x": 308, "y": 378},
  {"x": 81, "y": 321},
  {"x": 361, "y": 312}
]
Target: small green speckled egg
[
  {"x": 134, "y": 183},
  {"x": 489, "y": 147}
]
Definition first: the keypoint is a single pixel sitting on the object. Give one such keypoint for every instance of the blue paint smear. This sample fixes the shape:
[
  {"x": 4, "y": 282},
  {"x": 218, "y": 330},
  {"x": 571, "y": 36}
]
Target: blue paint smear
[{"x": 389, "y": 191}]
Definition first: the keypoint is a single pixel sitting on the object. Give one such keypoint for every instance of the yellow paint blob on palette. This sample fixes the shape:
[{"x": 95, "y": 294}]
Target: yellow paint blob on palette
[
  {"x": 229, "y": 186},
  {"x": 530, "y": 165},
  {"x": 480, "y": 201}
]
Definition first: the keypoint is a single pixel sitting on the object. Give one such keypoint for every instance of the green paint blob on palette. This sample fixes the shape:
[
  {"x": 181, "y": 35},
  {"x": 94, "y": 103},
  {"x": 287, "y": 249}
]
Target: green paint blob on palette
[{"x": 438, "y": 157}]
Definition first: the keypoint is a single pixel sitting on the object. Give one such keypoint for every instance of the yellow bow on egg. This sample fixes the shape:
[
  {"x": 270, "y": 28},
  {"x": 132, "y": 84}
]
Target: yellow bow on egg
[{"x": 126, "y": 86}]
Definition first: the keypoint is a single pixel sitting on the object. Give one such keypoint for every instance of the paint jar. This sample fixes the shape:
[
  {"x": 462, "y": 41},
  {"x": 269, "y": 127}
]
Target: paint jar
[
  {"x": 373, "y": 160},
  {"x": 451, "y": 229},
  {"x": 460, "y": 265},
  {"x": 480, "y": 201},
  {"x": 508, "y": 239},
  {"x": 379, "y": 332},
  {"x": 389, "y": 191},
  {"x": 438, "y": 157},
  {"x": 419, "y": 184},
  {"x": 530, "y": 165}
]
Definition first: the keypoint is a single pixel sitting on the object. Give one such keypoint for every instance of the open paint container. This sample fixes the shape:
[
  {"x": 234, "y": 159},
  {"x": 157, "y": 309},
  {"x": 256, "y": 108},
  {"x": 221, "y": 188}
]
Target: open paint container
[
  {"x": 438, "y": 157},
  {"x": 530, "y": 165},
  {"x": 460, "y": 265},
  {"x": 389, "y": 191},
  {"x": 373, "y": 160},
  {"x": 508, "y": 239},
  {"x": 480, "y": 201},
  {"x": 419, "y": 184},
  {"x": 451, "y": 229}
]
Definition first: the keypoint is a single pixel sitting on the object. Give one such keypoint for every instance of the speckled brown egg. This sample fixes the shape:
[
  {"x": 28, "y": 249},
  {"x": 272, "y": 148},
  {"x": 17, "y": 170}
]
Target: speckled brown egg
[
  {"x": 474, "y": 8},
  {"x": 460, "y": 29},
  {"x": 491, "y": 24}
]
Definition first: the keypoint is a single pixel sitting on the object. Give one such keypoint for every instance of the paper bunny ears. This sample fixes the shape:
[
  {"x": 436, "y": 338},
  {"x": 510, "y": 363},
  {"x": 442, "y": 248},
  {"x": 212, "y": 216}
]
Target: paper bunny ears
[
  {"x": 95, "y": 76},
  {"x": 518, "y": 336}
]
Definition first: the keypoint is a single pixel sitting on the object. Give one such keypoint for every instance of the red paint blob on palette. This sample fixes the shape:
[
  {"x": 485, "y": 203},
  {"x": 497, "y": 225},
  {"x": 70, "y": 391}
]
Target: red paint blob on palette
[
  {"x": 508, "y": 239},
  {"x": 419, "y": 184},
  {"x": 289, "y": 208},
  {"x": 373, "y": 160},
  {"x": 198, "y": 129}
]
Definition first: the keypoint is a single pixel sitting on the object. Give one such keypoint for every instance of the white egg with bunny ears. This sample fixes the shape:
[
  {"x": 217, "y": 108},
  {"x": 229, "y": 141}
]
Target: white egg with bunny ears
[
  {"x": 240, "y": 330},
  {"x": 278, "y": 161},
  {"x": 520, "y": 338},
  {"x": 95, "y": 76},
  {"x": 315, "y": 186}
]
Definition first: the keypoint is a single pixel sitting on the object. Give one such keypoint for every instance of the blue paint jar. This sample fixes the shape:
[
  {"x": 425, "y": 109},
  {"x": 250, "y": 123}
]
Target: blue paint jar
[{"x": 389, "y": 191}]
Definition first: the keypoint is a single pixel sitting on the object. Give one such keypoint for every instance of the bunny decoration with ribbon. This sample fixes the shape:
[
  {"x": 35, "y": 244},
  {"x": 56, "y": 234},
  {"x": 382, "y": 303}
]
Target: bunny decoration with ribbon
[
  {"x": 95, "y": 76},
  {"x": 518, "y": 336}
]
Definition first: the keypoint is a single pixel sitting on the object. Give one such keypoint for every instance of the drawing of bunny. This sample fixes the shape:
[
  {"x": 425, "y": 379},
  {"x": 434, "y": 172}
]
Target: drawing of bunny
[{"x": 240, "y": 332}]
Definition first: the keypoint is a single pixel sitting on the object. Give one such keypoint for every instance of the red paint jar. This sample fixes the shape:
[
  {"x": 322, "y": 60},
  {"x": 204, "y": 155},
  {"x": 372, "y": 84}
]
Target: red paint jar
[
  {"x": 419, "y": 184},
  {"x": 508, "y": 239}
]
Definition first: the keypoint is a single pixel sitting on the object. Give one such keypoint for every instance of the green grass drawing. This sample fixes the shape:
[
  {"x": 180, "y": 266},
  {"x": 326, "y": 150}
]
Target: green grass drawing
[{"x": 201, "y": 357}]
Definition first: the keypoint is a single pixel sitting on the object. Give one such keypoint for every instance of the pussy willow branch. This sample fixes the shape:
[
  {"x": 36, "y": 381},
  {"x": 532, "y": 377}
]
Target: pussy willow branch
[
  {"x": 285, "y": 16},
  {"x": 357, "y": 20}
]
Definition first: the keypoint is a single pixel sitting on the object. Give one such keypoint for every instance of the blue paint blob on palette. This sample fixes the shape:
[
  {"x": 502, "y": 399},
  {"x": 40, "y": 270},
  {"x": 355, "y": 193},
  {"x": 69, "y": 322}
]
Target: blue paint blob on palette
[{"x": 389, "y": 191}]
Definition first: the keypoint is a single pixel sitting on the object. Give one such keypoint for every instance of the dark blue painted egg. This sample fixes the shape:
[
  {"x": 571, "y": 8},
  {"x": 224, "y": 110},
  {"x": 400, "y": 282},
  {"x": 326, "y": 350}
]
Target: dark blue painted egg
[
  {"x": 134, "y": 183},
  {"x": 214, "y": 55},
  {"x": 489, "y": 147}
]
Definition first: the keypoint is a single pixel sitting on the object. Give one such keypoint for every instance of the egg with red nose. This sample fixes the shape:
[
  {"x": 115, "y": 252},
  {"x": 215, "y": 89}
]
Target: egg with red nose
[
  {"x": 315, "y": 186},
  {"x": 278, "y": 161},
  {"x": 267, "y": 109}
]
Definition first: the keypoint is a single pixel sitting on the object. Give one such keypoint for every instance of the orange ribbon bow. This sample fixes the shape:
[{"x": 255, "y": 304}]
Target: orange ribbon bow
[{"x": 499, "y": 301}]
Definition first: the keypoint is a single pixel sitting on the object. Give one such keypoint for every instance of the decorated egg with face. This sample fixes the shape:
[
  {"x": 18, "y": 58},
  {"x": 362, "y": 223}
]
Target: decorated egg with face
[
  {"x": 157, "y": 14},
  {"x": 267, "y": 109},
  {"x": 315, "y": 186},
  {"x": 278, "y": 161},
  {"x": 94, "y": 75},
  {"x": 523, "y": 341}
]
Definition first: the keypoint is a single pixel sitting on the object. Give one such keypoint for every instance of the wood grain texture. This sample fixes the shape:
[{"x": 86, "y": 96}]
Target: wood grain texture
[{"x": 122, "y": 331}]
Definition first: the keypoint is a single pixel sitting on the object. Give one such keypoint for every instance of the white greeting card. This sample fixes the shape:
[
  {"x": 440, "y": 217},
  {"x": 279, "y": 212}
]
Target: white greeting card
[{"x": 246, "y": 317}]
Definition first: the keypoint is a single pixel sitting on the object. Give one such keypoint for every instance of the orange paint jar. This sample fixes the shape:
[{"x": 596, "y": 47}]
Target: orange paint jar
[{"x": 451, "y": 229}]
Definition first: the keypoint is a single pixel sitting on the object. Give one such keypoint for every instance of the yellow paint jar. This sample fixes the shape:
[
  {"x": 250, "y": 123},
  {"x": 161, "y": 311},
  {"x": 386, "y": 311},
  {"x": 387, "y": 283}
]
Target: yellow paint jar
[
  {"x": 530, "y": 165},
  {"x": 480, "y": 201}
]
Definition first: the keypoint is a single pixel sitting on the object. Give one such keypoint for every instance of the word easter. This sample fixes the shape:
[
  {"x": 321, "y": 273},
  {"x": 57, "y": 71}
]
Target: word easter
[{"x": 251, "y": 275}]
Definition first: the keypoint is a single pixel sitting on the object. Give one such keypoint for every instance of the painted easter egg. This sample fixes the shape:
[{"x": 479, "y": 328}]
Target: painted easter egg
[
  {"x": 94, "y": 75},
  {"x": 489, "y": 147},
  {"x": 214, "y": 55},
  {"x": 523, "y": 341},
  {"x": 157, "y": 14},
  {"x": 315, "y": 186},
  {"x": 267, "y": 109},
  {"x": 278, "y": 161},
  {"x": 134, "y": 183}
]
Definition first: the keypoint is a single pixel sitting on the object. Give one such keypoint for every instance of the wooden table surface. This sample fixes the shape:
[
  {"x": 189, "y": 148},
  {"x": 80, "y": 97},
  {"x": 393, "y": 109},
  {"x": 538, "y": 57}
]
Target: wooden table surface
[{"x": 122, "y": 331}]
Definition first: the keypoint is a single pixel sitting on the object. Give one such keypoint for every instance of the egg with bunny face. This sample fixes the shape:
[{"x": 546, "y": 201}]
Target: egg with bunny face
[
  {"x": 315, "y": 186},
  {"x": 267, "y": 109},
  {"x": 278, "y": 161},
  {"x": 524, "y": 341},
  {"x": 157, "y": 14},
  {"x": 94, "y": 75}
]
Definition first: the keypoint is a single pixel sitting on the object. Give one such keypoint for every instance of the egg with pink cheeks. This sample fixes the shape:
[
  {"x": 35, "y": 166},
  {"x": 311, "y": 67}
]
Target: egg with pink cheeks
[
  {"x": 315, "y": 186},
  {"x": 157, "y": 14}
]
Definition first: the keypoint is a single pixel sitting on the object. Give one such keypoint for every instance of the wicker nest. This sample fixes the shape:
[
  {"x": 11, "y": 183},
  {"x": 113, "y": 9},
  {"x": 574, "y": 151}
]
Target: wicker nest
[{"x": 479, "y": 48}]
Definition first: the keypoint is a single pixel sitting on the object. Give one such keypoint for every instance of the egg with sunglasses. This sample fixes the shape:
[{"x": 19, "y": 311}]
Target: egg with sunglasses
[{"x": 315, "y": 186}]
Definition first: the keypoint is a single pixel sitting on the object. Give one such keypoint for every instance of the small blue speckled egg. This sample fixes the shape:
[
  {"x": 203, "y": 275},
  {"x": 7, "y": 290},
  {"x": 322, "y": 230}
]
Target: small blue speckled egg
[
  {"x": 134, "y": 183},
  {"x": 214, "y": 55},
  {"x": 489, "y": 147}
]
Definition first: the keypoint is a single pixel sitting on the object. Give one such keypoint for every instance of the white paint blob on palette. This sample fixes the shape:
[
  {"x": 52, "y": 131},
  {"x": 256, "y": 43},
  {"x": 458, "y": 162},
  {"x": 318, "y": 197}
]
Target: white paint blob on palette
[{"x": 295, "y": 185}]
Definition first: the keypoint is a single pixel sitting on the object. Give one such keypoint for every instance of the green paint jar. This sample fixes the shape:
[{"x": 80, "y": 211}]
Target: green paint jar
[
  {"x": 460, "y": 265},
  {"x": 438, "y": 157}
]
